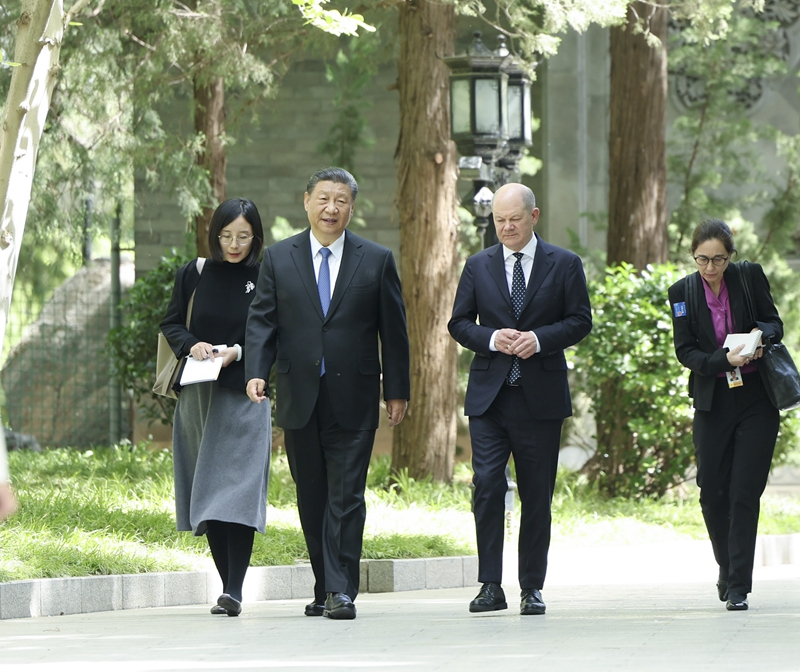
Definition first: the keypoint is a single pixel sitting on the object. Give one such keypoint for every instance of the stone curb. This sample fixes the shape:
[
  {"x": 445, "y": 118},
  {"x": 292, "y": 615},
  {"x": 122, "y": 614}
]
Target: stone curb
[{"x": 83, "y": 595}]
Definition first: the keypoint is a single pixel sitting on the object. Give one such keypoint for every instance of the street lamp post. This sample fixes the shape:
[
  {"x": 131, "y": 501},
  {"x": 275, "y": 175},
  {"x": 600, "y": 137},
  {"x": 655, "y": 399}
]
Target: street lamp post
[{"x": 490, "y": 121}]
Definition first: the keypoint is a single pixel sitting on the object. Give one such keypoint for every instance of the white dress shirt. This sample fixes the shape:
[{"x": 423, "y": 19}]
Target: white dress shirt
[
  {"x": 528, "y": 253},
  {"x": 334, "y": 260}
]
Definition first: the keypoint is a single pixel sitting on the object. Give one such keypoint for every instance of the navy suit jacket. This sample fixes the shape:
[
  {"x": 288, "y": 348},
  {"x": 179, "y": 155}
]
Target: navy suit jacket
[
  {"x": 556, "y": 308},
  {"x": 698, "y": 352},
  {"x": 286, "y": 328}
]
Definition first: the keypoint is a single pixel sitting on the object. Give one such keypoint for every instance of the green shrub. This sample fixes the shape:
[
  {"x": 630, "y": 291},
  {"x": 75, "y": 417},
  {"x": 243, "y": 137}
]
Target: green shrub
[
  {"x": 637, "y": 389},
  {"x": 134, "y": 344}
]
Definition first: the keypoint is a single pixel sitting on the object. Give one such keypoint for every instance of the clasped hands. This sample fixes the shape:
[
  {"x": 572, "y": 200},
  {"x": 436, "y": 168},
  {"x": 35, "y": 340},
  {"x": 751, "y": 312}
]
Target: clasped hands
[{"x": 523, "y": 344}]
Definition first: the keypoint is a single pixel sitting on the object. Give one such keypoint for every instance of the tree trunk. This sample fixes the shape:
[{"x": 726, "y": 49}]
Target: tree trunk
[
  {"x": 637, "y": 202},
  {"x": 40, "y": 30},
  {"x": 209, "y": 119},
  {"x": 426, "y": 200}
]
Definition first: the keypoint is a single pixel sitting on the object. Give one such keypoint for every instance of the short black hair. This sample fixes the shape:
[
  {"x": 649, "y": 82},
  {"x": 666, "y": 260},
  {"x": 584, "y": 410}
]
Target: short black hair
[
  {"x": 713, "y": 229},
  {"x": 332, "y": 174},
  {"x": 226, "y": 213}
]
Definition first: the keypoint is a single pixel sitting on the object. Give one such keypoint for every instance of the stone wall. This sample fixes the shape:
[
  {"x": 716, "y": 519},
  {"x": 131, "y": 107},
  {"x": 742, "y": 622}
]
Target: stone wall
[{"x": 271, "y": 164}]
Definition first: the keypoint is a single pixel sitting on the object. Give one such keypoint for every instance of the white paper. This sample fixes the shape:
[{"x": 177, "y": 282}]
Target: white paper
[
  {"x": 750, "y": 341},
  {"x": 202, "y": 370}
]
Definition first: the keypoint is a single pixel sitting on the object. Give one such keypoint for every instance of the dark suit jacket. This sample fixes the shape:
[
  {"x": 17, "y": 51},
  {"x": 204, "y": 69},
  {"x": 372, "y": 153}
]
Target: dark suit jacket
[
  {"x": 698, "y": 352},
  {"x": 556, "y": 308},
  {"x": 286, "y": 328}
]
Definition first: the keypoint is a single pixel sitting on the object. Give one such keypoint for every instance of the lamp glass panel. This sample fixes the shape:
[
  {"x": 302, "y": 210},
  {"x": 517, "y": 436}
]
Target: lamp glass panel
[
  {"x": 487, "y": 106},
  {"x": 504, "y": 107},
  {"x": 526, "y": 114},
  {"x": 460, "y": 106},
  {"x": 515, "y": 112}
]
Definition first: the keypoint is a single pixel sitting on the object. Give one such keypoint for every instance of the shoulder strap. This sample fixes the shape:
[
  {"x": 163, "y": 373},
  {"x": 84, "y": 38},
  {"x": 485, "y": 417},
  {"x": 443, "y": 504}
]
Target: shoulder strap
[
  {"x": 746, "y": 279},
  {"x": 690, "y": 298},
  {"x": 201, "y": 262}
]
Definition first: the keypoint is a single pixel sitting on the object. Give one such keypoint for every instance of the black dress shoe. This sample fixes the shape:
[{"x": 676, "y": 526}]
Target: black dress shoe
[
  {"x": 339, "y": 606},
  {"x": 231, "y": 605},
  {"x": 314, "y": 609},
  {"x": 737, "y": 602},
  {"x": 722, "y": 590},
  {"x": 490, "y": 598},
  {"x": 531, "y": 603},
  {"x": 217, "y": 610}
]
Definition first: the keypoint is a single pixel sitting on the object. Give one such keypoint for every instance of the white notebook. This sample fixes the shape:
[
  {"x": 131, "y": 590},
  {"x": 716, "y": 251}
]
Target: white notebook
[
  {"x": 750, "y": 341},
  {"x": 202, "y": 370}
]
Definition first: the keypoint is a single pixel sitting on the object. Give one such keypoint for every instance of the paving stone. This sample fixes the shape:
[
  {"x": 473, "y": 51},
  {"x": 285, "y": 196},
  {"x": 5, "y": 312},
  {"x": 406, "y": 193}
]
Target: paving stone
[
  {"x": 142, "y": 590},
  {"x": 58, "y": 597},
  {"x": 20, "y": 599},
  {"x": 101, "y": 593},
  {"x": 185, "y": 588}
]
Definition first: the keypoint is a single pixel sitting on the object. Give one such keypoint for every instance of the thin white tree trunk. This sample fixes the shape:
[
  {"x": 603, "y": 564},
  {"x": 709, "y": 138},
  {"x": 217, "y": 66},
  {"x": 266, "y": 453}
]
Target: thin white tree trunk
[{"x": 40, "y": 29}]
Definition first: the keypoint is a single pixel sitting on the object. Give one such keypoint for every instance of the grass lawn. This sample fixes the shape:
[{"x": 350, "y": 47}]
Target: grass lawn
[{"x": 110, "y": 511}]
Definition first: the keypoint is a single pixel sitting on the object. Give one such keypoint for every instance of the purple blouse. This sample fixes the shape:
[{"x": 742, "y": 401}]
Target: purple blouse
[{"x": 722, "y": 319}]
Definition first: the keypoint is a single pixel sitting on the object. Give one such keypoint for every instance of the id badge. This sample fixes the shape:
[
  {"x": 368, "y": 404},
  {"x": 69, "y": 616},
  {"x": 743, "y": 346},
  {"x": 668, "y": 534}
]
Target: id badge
[{"x": 734, "y": 378}]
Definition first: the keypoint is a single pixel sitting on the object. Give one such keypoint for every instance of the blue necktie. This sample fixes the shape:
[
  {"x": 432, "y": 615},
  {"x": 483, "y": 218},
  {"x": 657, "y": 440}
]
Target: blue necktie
[
  {"x": 517, "y": 298},
  {"x": 324, "y": 289}
]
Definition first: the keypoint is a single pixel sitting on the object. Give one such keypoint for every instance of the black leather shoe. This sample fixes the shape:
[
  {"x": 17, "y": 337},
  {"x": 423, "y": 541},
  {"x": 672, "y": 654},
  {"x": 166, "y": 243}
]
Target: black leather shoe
[
  {"x": 217, "y": 610},
  {"x": 314, "y": 609},
  {"x": 531, "y": 603},
  {"x": 339, "y": 606},
  {"x": 722, "y": 590},
  {"x": 737, "y": 602},
  {"x": 490, "y": 598},
  {"x": 231, "y": 605}
]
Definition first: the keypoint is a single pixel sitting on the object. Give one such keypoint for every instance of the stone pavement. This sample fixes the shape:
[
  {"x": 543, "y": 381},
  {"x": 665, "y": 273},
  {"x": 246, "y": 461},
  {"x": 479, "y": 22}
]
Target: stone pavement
[{"x": 636, "y": 625}]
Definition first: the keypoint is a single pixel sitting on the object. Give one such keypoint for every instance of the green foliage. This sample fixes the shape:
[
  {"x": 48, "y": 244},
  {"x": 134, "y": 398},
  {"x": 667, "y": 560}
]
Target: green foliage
[
  {"x": 134, "y": 344},
  {"x": 636, "y": 388},
  {"x": 349, "y": 74},
  {"x": 714, "y": 158},
  {"x": 111, "y": 511}
]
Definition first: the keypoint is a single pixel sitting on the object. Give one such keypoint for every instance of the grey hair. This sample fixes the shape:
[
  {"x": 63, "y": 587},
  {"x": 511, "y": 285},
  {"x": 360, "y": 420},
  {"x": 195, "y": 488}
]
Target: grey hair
[
  {"x": 528, "y": 197},
  {"x": 332, "y": 174}
]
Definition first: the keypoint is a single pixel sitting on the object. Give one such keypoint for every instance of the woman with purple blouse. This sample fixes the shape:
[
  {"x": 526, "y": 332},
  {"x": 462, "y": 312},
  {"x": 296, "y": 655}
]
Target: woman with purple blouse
[{"x": 735, "y": 425}]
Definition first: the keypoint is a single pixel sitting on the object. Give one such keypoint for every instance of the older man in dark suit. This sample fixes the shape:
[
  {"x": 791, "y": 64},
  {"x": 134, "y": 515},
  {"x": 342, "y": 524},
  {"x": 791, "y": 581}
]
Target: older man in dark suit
[
  {"x": 519, "y": 304},
  {"x": 325, "y": 300}
]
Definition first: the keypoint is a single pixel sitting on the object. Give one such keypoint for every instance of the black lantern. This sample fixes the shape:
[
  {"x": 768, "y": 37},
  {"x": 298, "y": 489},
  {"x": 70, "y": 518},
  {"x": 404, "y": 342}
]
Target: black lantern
[
  {"x": 478, "y": 101},
  {"x": 490, "y": 117}
]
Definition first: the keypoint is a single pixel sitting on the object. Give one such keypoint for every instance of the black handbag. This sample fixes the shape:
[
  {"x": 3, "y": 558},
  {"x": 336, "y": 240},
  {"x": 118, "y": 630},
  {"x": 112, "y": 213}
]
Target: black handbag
[{"x": 776, "y": 366}]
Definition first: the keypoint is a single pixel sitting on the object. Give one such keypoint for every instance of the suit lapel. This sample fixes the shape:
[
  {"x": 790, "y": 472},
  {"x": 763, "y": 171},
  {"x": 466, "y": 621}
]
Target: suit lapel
[
  {"x": 542, "y": 265},
  {"x": 496, "y": 266},
  {"x": 301, "y": 255},
  {"x": 352, "y": 254}
]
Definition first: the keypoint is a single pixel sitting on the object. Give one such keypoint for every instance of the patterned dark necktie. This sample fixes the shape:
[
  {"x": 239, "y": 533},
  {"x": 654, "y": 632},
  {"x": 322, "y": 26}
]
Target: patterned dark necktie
[
  {"x": 324, "y": 289},
  {"x": 517, "y": 297}
]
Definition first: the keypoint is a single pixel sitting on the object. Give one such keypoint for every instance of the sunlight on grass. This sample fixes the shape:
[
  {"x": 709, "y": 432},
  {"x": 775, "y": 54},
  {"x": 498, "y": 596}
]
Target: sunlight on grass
[{"x": 111, "y": 511}]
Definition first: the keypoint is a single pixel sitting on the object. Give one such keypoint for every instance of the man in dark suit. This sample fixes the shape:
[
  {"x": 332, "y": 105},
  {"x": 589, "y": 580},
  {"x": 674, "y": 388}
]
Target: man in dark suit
[
  {"x": 325, "y": 299},
  {"x": 519, "y": 304}
]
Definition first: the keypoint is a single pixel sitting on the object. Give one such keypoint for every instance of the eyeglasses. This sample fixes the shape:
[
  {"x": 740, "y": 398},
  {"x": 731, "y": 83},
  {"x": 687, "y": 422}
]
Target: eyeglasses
[
  {"x": 702, "y": 260},
  {"x": 227, "y": 239}
]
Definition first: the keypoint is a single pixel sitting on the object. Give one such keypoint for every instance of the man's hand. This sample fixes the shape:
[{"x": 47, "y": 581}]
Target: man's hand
[
  {"x": 256, "y": 390},
  {"x": 397, "y": 410},
  {"x": 525, "y": 346},
  {"x": 505, "y": 339},
  {"x": 8, "y": 503}
]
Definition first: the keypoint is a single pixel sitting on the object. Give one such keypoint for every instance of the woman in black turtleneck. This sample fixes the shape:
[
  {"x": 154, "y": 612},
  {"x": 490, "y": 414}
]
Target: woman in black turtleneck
[{"x": 221, "y": 440}]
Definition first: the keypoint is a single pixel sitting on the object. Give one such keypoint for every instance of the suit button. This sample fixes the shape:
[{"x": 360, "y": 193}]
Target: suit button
[
  {"x": 317, "y": 363},
  {"x": 324, "y": 328}
]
